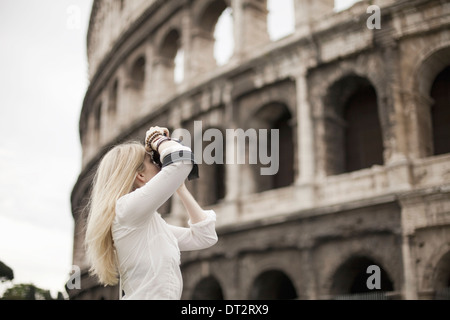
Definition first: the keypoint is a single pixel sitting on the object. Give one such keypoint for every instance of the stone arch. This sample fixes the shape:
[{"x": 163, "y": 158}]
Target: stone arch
[
  {"x": 137, "y": 71},
  {"x": 111, "y": 110},
  {"x": 440, "y": 112},
  {"x": 431, "y": 63},
  {"x": 164, "y": 62},
  {"x": 206, "y": 16},
  {"x": 349, "y": 280},
  {"x": 208, "y": 288},
  {"x": 136, "y": 83},
  {"x": 436, "y": 276},
  {"x": 442, "y": 277},
  {"x": 209, "y": 12},
  {"x": 113, "y": 98},
  {"x": 170, "y": 44},
  {"x": 97, "y": 121},
  {"x": 212, "y": 187},
  {"x": 274, "y": 116},
  {"x": 273, "y": 284},
  {"x": 350, "y": 108}
]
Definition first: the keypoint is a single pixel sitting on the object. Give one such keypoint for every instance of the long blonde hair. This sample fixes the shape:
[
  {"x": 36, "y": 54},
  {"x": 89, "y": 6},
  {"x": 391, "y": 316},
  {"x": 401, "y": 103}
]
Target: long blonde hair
[{"x": 114, "y": 178}]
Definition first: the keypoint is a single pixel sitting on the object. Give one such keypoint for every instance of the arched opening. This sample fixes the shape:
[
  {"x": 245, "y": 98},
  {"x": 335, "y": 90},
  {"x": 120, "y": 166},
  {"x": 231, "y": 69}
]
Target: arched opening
[
  {"x": 353, "y": 134},
  {"x": 211, "y": 187},
  {"x": 341, "y": 5},
  {"x": 97, "y": 122},
  {"x": 112, "y": 104},
  {"x": 431, "y": 109},
  {"x": 350, "y": 280},
  {"x": 214, "y": 191},
  {"x": 273, "y": 285},
  {"x": 179, "y": 66},
  {"x": 223, "y": 35},
  {"x": 363, "y": 138},
  {"x": 138, "y": 72},
  {"x": 276, "y": 119},
  {"x": 442, "y": 278},
  {"x": 136, "y": 84},
  {"x": 440, "y": 112},
  {"x": 280, "y": 19},
  {"x": 169, "y": 63},
  {"x": 213, "y": 41},
  {"x": 208, "y": 289}
]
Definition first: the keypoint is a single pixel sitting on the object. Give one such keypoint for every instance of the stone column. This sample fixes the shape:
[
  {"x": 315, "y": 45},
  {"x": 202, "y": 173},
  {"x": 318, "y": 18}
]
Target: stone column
[
  {"x": 202, "y": 55},
  {"x": 411, "y": 214},
  {"x": 419, "y": 123},
  {"x": 149, "y": 90},
  {"x": 162, "y": 78},
  {"x": 186, "y": 43},
  {"x": 306, "y": 156},
  {"x": 305, "y": 132},
  {"x": 393, "y": 118}
]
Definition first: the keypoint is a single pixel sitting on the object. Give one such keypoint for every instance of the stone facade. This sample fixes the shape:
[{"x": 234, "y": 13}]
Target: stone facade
[{"x": 364, "y": 123}]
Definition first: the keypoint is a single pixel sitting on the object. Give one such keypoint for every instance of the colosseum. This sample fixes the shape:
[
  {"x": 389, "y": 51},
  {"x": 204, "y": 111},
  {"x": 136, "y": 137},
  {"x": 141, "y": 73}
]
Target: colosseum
[{"x": 363, "y": 120}]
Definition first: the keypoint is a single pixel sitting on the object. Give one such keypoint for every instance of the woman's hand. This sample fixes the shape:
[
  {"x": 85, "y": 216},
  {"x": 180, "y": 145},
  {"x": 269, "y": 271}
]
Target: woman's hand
[
  {"x": 164, "y": 131},
  {"x": 154, "y": 130}
]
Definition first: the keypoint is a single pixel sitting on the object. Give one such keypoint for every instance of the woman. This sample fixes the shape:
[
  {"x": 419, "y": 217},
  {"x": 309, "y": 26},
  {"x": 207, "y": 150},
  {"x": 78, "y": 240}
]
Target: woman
[{"x": 125, "y": 236}]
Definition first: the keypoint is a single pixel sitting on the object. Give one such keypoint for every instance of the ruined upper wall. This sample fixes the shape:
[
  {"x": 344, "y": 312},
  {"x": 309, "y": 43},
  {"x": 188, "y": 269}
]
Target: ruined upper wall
[{"x": 109, "y": 20}]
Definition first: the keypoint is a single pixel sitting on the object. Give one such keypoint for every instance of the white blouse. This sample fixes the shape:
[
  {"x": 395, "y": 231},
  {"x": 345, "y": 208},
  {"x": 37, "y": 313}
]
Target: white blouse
[{"x": 148, "y": 248}]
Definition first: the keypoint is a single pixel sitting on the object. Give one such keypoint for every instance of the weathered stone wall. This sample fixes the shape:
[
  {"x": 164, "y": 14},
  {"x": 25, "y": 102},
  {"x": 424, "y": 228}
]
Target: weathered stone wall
[{"x": 313, "y": 237}]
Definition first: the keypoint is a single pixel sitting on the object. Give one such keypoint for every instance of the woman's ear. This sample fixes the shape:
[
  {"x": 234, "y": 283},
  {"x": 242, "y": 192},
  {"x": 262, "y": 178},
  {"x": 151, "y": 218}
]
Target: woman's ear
[{"x": 140, "y": 179}]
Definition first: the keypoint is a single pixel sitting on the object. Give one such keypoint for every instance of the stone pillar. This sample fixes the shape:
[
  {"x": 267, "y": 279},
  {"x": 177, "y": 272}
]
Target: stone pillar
[
  {"x": 250, "y": 26},
  {"x": 202, "y": 55},
  {"x": 411, "y": 214},
  {"x": 419, "y": 124},
  {"x": 186, "y": 43},
  {"x": 306, "y": 155},
  {"x": 409, "y": 285},
  {"x": 305, "y": 132},
  {"x": 162, "y": 78},
  {"x": 122, "y": 105},
  {"x": 149, "y": 90},
  {"x": 394, "y": 123}
]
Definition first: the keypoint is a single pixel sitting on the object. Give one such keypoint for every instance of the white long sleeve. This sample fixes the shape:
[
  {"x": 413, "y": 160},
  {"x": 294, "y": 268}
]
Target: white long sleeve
[
  {"x": 148, "y": 248},
  {"x": 200, "y": 235}
]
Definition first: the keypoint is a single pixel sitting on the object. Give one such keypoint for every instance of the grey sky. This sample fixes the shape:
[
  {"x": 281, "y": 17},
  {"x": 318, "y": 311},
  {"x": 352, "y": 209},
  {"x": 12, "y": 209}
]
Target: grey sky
[{"x": 43, "y": 80}]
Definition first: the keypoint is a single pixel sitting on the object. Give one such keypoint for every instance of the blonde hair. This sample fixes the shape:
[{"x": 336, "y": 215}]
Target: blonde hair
[{"x": 114, "y": 178}]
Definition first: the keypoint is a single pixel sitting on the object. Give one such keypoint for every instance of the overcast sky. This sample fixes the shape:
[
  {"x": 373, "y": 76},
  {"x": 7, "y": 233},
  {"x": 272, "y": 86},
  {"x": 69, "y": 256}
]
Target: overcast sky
[{"x": 43, "y": 80}]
